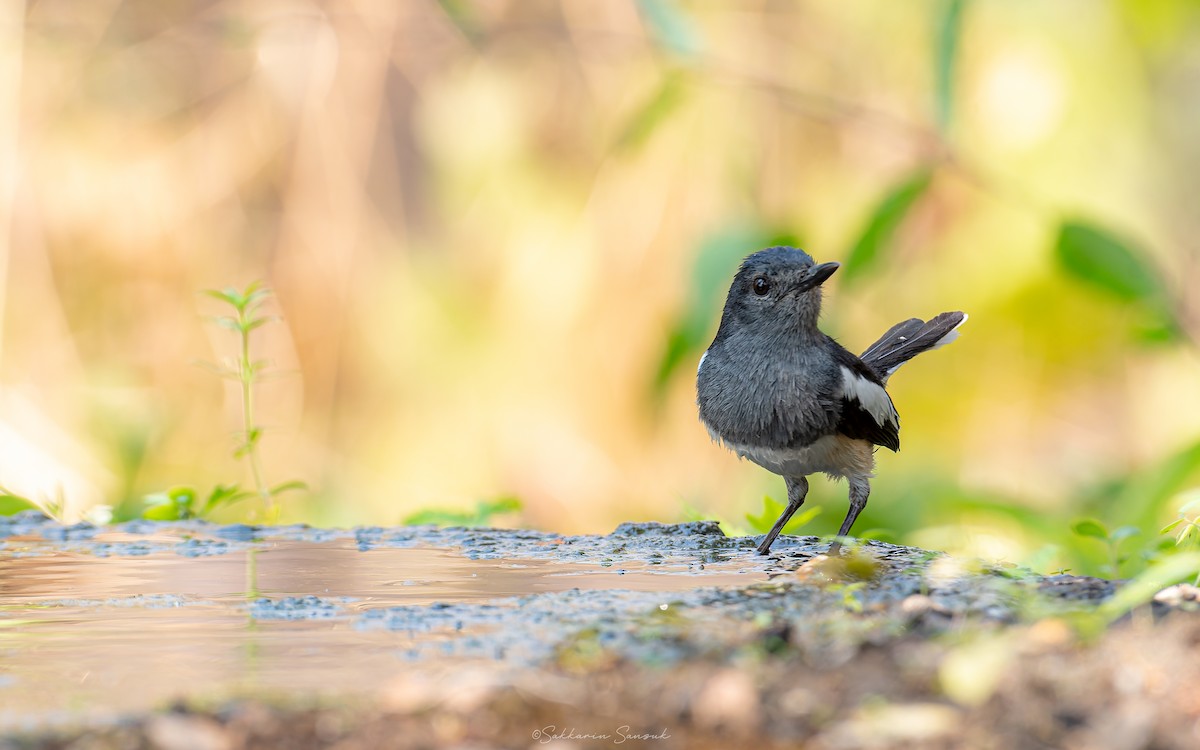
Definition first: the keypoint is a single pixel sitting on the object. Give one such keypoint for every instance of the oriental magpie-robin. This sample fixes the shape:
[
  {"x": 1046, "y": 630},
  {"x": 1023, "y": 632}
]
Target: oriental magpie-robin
[{"x": 776, "y": 390}]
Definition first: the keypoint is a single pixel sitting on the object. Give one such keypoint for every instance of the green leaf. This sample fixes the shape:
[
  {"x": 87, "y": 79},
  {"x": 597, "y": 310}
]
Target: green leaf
[
  {"x": 253, "y": 323},
  {"x": 763, "y": 522},
  {"x": 11, "y": 504},
  {"x": 507, "y": 504},
  {"x": 251, "y": 295},
  {"x": 771, "y": 512},
  {"x": 224, "y": 494},
  {"x": 802, "y": 519},
  {"x": 250, "y": 440},
  {"x": 228, "y": 295},
  {"x": 1171, "y": 526},
  {"x": 173, "y": 505},
  {"x": 882, "y": 224},
  {"x": 224, "y": 321},
  {"x": 652, "y": 113},
  {"x": 945, "y": 56},
  {"x": 678, "y": 345},
  {"x": 1090, "y": 527},
  {"x": 1186, "y": 533},
  {"x": 255, "y": 291},
  {"x": 1097, "y": 257},
  {"x": 436, "y": 517},
  {"x": 670, "y": 27},
  {"x": 292, "y": 486}
]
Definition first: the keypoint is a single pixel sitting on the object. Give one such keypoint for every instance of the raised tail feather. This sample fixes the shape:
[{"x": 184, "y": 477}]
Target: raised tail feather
[{"x": 906, "y": 340}]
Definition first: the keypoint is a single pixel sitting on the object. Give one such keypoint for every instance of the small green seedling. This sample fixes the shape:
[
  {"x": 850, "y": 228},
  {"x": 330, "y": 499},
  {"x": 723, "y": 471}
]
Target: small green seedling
[
  {"x": 1089, "y": 527},
  {"x": 247, "y": 316},
  {"x": 1186, "y": 530},
  {"x": 183, "y": 502}
]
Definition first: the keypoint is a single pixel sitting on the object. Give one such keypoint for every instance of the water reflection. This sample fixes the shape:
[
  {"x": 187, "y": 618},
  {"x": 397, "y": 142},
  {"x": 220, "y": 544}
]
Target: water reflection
[{"x": 91, "y": 633}]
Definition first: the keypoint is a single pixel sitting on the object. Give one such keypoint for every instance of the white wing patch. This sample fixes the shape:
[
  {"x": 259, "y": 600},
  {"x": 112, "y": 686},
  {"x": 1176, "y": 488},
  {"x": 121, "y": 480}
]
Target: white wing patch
[{"x": 873, "y": 398}]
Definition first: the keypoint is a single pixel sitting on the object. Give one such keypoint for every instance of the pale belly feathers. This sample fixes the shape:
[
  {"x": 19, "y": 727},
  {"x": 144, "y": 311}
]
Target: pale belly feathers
[{"x": 836, "y": 455}]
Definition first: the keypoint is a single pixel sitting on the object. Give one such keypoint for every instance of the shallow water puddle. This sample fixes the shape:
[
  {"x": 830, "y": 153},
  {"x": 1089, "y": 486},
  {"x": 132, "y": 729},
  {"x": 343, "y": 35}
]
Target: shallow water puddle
[{"x": 104, "y": 623}]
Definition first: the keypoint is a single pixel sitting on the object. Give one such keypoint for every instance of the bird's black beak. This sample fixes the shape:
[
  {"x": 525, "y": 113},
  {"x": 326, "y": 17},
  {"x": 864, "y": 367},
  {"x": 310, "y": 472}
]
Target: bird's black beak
[{"x": 817, "y": 275}]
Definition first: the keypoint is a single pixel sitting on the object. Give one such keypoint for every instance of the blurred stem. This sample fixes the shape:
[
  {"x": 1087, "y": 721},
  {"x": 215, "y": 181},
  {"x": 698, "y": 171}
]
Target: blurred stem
[
  {"x": 252, "y": 574},
  {"x": 245, "y": 371},
  {"x": 250, "y": 430}
]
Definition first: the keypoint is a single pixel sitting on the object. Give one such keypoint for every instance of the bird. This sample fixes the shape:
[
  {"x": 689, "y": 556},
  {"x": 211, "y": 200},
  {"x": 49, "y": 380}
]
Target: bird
[{"x": 774, "y": 389}]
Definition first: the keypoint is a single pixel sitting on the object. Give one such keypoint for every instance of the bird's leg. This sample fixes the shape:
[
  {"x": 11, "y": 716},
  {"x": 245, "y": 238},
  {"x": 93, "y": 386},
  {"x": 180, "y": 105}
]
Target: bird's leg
[
  {"x": 860, "y": 488},
  {"x": 797, "y": 488}
]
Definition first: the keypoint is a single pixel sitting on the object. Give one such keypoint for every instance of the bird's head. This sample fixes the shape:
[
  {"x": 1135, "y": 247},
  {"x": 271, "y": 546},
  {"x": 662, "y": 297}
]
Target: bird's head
[{"x": 777, "y": 290}]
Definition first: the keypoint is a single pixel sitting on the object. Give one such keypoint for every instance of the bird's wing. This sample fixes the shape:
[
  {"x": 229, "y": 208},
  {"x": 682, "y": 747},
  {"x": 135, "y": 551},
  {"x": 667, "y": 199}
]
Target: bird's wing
[{"x": 867, "y": 410}]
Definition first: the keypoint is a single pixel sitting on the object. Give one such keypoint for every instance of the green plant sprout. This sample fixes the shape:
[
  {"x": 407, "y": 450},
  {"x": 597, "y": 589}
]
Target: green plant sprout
[
  {"x": 184, "y": 502},
  {"x": 1089, "y": 527},
  {"x": 247, "y": 308},
  {"x": 1186, "y": 529}
]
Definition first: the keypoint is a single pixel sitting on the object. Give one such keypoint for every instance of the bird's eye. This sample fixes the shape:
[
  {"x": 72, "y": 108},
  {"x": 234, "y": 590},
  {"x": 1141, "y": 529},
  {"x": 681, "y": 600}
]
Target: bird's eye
[{"x": 761, "y": 286}]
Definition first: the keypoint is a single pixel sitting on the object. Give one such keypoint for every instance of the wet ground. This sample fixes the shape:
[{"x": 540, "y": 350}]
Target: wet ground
[
  {"x": 420, "y": 637},
  {"x": 99, "y": 622}
]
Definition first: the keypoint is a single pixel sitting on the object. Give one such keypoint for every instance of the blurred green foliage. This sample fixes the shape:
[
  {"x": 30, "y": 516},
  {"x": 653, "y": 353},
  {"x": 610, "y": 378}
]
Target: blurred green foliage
[
  {"x": 182, "y": 503},
  {"x": 771, "y": 511},
  {"x": 881, "y": 225},
  {"x": 483, "y": 514},
  {"x": 11, "y": 504},
  {"x": 1097, "y": 258}
]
